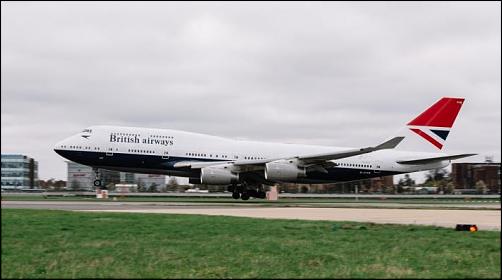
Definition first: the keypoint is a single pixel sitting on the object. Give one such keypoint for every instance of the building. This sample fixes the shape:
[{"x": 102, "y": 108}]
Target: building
[
  {"x": 466, "y": 175},
  {"x": 19, "y": 172},
  {"x": 151, "y": 181},
  {"x": 377, "y": 184},
  {"x": 81, "y": 177},
  {"x": 127, "y": 178}
]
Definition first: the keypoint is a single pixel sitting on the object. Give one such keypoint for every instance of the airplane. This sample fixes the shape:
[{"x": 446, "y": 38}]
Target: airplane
[{"x": 247, "y": 167}]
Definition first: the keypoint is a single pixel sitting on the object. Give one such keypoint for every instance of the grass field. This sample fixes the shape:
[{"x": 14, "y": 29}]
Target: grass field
[{"x": 63, "y": 244}]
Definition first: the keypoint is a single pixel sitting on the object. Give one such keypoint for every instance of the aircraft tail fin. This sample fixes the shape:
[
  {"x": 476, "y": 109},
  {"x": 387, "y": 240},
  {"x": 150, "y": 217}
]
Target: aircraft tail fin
[{"x": 429, "y": 130}]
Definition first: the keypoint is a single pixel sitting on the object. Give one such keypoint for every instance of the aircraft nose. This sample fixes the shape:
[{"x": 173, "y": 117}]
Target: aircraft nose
[
  {"x": 57, "y": 147},
  {"x": 61, "y": 145}
]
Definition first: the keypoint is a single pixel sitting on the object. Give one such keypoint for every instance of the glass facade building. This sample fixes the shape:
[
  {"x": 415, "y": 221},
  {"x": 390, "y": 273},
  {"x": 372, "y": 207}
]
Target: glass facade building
[{"x": 19, "y": 172}]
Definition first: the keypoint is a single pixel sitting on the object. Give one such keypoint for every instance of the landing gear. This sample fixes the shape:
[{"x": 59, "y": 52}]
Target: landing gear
[
  {"x": 98, "y": 183},
  {"x": 245, "y": 196},
  {"x": 261, "y": 194},
  {"x": 236, "y": 195},
  {"x": 244, "y": 192}
]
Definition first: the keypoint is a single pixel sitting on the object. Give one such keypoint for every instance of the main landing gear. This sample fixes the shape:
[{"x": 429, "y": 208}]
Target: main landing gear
[{"x": 244, "y": 192}]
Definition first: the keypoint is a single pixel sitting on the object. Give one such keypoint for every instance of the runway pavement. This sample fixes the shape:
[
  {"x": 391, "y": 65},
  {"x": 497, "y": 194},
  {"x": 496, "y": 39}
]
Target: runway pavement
[{"x": 485, "y": 219}]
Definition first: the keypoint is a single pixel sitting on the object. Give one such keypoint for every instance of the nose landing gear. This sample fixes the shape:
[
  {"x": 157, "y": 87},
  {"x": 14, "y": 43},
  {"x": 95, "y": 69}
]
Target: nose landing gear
[{"x": 98, "y": 183}]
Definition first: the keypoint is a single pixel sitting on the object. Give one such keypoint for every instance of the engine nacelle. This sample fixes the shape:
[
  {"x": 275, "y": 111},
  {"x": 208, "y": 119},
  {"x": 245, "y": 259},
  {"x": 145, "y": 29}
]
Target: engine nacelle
[
  {"x": 218, "y": 175},
  {"x": 284, "y": 170}
]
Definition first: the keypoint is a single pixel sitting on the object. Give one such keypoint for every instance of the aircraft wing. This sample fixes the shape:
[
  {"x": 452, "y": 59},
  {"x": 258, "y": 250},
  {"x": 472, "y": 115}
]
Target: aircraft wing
[
  {"x": 306, "y": 159},
  {"x": 390, "y": 144},
  {"x": 433, "y": 159}
]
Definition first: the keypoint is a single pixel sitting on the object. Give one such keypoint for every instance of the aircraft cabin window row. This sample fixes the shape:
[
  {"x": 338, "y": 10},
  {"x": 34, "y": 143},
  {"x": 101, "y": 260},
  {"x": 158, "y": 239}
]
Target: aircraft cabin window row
[
  {"x": 141, "y": 151},
  {"x": 205, "y": 155},
  {"x": 254, "y": 158},
  {"x": 162, "y": 136},
  {"x": 125, "y": 134},
  {"x": 80, "y": 147},
  {"x": 354, "y": 165}
]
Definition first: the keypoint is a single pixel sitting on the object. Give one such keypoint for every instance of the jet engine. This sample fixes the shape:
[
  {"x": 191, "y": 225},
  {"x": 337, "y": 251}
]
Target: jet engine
[
  {"x": 218, "y": 175},
  {"x": 284, "y": 170}
]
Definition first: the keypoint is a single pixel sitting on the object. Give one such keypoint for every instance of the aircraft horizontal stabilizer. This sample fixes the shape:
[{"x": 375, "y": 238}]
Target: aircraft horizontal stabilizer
[{"x": 434, "y": 159}]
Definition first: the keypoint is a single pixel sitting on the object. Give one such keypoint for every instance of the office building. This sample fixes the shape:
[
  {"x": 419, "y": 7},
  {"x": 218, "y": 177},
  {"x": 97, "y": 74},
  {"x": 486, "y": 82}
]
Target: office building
[{"x": 19, "y": 172}]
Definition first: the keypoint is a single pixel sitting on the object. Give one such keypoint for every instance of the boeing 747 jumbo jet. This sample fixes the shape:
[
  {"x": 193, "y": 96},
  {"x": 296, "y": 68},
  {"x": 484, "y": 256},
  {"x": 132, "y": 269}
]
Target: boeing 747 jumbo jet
[{"x": 247, "y": 166}]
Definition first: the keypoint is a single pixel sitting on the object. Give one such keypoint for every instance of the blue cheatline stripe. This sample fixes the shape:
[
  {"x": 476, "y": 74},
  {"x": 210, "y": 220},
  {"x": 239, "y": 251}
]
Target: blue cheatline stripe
[
  {"x": 441, "y": 133},
  {"x": 155, "y": 164}
]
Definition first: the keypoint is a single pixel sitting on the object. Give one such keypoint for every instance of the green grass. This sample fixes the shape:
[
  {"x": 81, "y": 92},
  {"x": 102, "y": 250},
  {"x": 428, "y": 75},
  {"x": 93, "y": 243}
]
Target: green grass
[{"x": 63, "y": 244}]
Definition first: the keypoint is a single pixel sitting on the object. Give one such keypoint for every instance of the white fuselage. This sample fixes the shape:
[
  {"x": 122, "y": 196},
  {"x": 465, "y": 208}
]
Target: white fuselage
[{"x": 145, "y": 150}]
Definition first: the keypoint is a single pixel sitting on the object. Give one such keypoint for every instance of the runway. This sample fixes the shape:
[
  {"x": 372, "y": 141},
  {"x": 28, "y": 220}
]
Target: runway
[{"x": 485, "y": 219}]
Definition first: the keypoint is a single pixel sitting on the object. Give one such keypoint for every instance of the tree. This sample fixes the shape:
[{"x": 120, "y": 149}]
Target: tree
[
  {"x": 172, "y": 184},
  {"x": 406, "y": 181},
  {"x": 153, "y": 187},
  {"x": 450, "y": 187},
  {"x": 389, "y": 189},
  {"x": 438, "y": 178},
  {"x": 435, "y": 175},
  {"x": 304, "y": 189},
  {"x": 141, "y": 186}
]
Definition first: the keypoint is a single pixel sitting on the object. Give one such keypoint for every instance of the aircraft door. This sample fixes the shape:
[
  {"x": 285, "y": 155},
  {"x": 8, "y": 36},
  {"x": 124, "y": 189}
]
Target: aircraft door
[
  {"x": 377, "y": 167},
  {"x": 165, "y": 155}
]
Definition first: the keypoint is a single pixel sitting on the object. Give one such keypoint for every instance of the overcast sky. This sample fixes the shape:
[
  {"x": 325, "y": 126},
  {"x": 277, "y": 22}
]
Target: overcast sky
[{"x": 341, "y": 74}]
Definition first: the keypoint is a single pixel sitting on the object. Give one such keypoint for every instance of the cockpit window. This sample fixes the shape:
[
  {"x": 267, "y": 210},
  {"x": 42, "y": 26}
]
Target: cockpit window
[{"x": 87, "y": 130}]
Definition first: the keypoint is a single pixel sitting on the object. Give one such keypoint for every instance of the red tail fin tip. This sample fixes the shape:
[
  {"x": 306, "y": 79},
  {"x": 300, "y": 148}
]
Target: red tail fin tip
[{"x": 442, "y": 114}]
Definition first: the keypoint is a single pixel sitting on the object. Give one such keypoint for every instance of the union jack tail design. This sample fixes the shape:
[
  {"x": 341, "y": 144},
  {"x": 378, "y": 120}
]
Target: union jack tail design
[{"x": 434, "y": 124}]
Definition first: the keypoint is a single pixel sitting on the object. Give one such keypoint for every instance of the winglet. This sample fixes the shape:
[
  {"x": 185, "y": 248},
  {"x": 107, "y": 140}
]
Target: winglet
[{"x": 390, "y": 144}]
